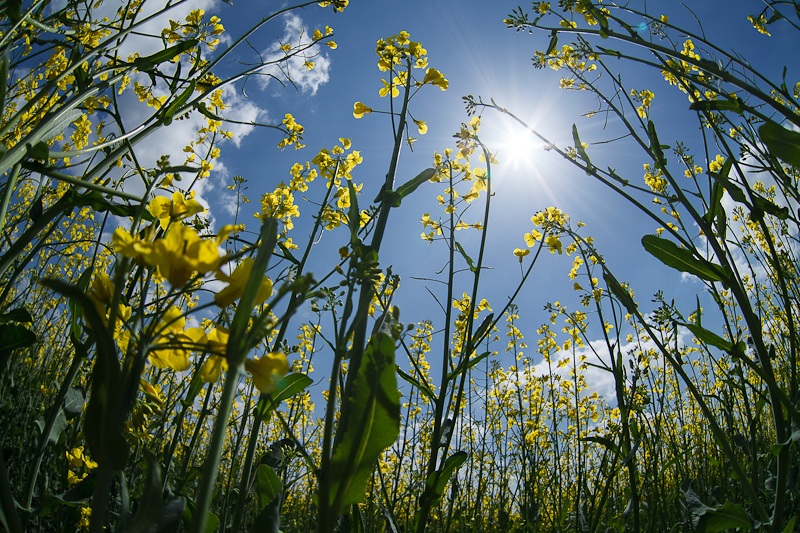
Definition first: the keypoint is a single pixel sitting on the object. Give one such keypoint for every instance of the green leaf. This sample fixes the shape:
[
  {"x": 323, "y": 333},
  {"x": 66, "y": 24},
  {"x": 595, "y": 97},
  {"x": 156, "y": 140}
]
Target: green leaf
[
  {"x": 482, "y": 329},
  {"x": 4, "y": 78},
  {"x": 14, "y": 336},
  {"x": 144, "y": 64},
  {"x": 58, "y": 427},
  {"x": 414, "y": 382},
  {"x": 353, "y": 214},
  {"x": 73, "y": 402},
  {"x": 467, "y": 258},
  {"x": 781, "y": 142},
  {"x": 19, "y": 315},
  {"x": 100, "y": 204},
  {"x": 212, "y": 520},
  {"x": 176, "y": 104},
  {"x": 709, "y": 337},
  {"x": 412, "y": 185},
  {"x": 73, "y": 497},
  {"x": 151, "y": 504},
  {"x": 656, "y": 148},
  {"x": 728, "y": 516},
  {"x": 200, "y": 106},
  {"x": 268, "y": 485},
  {"x": 437, "y": 482},
  {"x": 40, "y": 150},
  {"x": 581, "y": 151},
  {"x": 682, "y": 259},
  {"x": 553, "y": 42},
  {"x": 608, "y": 443},
  {"x": 289, "y": 386},
  {"x": 370, "y": 423},
  {"x": 104, "y": 420},
  {"x": 620, "y": 292},
  {"x": 735, "y": 105},
  {"x": 466, "y": 365}
]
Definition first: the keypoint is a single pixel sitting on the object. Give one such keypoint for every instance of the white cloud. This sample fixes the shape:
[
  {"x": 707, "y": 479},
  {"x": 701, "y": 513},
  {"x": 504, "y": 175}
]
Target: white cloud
[{"x": 293, "y": 69}]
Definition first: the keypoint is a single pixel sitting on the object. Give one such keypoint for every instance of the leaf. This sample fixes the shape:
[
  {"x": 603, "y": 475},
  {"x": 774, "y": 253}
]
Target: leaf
[
  {"x": 608, "y": 443},
  {"x": 682, "y": 259},
  {"x": 620, "y": 292},
  {"x": 19, "y": 315},
  {"x": 289, "y": 386},
  {"x": 412, "y": 184},
  {"x": 176, "y": 104},
  {"x": 47, "y": 129},
  {"x": 414, "y": 382},
  {"x": 728, "y": 516},
  {"x": 709, "y": 337},
  {"x": 353, "y": 214},
  {"x": 14, "y": 336},
  {"x": 73, "y": 402},
  {"x": 781, "y": 142},
  {"x": 370, "y": 423},
  {"x": 581, "y": 151},
  {"x": 656, "y": 149},
  {"x": 734, "y": 104},
  {"x": 73, "y": 497},
  {"x": 100, "y": 204},
  {"x": 103, "y": 423},
  {"x": 466, "y": 365},
  {"x": 467, "y": 258},
  {"x": 144, "y": 64},
  {"x": 212, "y": 520},
  {"x": 437, "y": 482},
  {"x": 151, "y": 503},
  {"x": 553, "y": 42},
  {"x": 268, "y": 485},
  {"x": 40, "y": 150},
  {"x": 482, "y": 329}
]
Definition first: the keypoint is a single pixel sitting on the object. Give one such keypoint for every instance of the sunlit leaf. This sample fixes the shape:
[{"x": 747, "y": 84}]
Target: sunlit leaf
[
  {"x": 268, "y": 485},
  {"x": 370, "y": 423},
  {"x": 412, "y": 184},
  {"x": 682, "y": 259},
  {"x": 437, "y": 482},
  {"x": 144, "y": 64},
  {"x": 781, "y": 142},
  {"x": 424, "y": 389},
  {"x": 289, "y": 386},
  {"x": 466, "y": 365}
]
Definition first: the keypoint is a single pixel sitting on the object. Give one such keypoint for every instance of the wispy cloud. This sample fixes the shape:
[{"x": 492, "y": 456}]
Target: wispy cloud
[{"x": 293, "y": 69}]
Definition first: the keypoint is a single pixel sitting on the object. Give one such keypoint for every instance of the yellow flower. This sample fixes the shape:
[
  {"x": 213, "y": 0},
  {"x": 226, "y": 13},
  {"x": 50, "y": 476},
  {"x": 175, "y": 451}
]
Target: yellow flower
[
  {"x": 521, "y": 252},
  {"x": 217, "y": 343},
  {"x": 268, "y": 370},
  {"x": 181, "y": 253},
  {"x": 359, "y": 109},
  {"x": 173, "y": 343},
  {"x": 128, "y": 245},
  {"x": 434, "y": 77},
  {"x": 237, "y": 282},
  {"x": 178, "y": 208},
  {"x": 213, "y": 368},
  {"x": 421, "y": 126}
]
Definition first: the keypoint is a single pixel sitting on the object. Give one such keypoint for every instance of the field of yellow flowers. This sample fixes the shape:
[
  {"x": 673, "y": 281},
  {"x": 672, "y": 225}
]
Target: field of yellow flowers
[{"x": 154, "y": 373}]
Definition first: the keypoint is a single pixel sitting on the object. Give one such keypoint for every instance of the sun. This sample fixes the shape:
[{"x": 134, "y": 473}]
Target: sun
[{"x": 515, "y": 147}]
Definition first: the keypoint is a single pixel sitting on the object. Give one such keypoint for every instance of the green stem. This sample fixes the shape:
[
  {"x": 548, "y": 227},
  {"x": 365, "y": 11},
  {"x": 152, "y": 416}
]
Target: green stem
[
  {"x": 239, "y": 343},
  {"x": 8, "y": 193},
  {"x": 7, "y": 502}
]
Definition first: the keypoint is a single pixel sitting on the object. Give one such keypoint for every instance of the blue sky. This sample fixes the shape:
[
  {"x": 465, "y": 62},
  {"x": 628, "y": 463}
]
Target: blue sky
[{"x": 468, "y": 41}]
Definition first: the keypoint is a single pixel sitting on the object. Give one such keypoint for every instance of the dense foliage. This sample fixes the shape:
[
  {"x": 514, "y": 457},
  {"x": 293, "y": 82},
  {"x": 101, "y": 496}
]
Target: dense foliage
[{"x": 154, "y": 375}]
